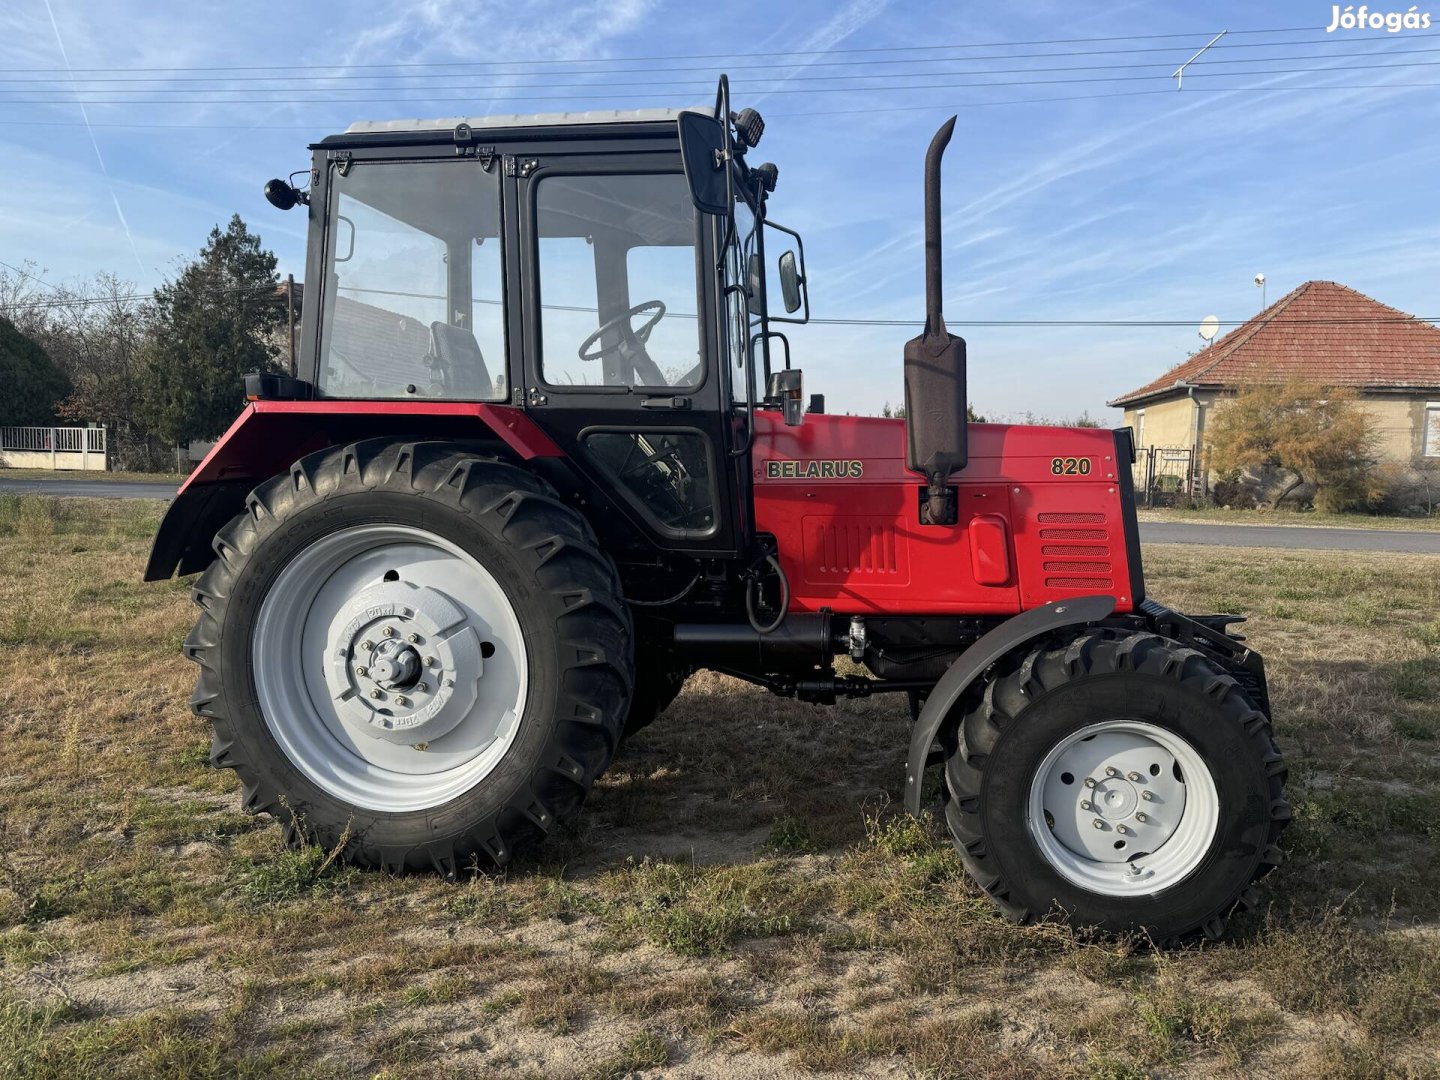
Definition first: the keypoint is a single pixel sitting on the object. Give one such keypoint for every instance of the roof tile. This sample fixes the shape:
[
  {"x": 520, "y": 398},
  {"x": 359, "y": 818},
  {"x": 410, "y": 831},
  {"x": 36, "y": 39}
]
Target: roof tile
[{"x": 1322, "y": 332}]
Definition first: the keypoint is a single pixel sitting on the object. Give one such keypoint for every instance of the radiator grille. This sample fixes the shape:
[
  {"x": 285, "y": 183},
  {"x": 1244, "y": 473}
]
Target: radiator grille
[
  {"x": 1075, "y": 550},
  {"x": 1096, "y": 583},
  {"x": 1070, "y": 519},
  {"x": 1070, "y": 567},
  {"x": 1074, "y": 534}
]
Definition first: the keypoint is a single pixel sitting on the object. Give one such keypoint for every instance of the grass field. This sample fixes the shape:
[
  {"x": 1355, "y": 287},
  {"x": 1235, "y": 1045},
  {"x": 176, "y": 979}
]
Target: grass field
[{"x": 741, "y": 899}]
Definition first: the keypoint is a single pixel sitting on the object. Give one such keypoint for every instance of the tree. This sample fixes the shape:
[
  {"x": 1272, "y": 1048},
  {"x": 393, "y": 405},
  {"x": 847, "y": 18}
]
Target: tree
[
  {"x": 31, "y": 382},
  {"x": 899, "y": 412},
  {"x": 1316, "y": 434},
  {"x": 216, "y": 321}
]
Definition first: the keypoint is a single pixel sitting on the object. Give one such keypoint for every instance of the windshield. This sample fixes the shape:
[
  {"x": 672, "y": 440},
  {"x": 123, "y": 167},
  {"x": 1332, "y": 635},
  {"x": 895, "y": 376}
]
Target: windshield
[{"x": 414, "y": 295}]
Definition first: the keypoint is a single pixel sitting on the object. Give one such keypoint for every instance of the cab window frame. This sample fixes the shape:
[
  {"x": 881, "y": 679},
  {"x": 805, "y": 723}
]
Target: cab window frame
[
  {"x": 318, "y": 331},
  {"x": 534, "y": 316}
]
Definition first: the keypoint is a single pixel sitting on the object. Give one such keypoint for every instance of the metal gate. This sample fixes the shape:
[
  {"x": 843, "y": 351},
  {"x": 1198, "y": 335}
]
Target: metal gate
[{"x": 1164, "y": 475}]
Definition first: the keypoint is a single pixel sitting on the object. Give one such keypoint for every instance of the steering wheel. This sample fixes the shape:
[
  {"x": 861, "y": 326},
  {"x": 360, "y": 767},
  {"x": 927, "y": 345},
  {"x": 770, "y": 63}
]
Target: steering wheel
[{"x": 622, "y": 323}]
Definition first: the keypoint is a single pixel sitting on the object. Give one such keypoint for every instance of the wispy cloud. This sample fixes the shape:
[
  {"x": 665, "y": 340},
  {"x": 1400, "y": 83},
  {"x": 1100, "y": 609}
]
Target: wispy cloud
[{"x": 94, "y": 142}]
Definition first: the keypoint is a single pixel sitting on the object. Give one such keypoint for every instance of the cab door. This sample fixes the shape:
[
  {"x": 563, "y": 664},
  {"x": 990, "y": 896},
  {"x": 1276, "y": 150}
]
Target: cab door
[{"x": 620, "y": 337}]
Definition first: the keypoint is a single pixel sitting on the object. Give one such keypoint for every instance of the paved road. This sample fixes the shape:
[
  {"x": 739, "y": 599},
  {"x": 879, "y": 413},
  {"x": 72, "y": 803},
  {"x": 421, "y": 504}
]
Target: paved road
[
  {"x": 1152, "y": 532},
  {"x": 1290, "y": 536},
  {"x": 90, "y": 489}
]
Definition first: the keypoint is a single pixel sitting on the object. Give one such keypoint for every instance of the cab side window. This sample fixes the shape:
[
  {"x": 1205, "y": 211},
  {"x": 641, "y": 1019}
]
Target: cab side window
[{"x": 617, "y": 270}]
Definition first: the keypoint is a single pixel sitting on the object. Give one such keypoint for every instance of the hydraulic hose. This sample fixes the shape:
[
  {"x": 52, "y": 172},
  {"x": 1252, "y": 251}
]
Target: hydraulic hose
[{"x": 752, "y": 594}]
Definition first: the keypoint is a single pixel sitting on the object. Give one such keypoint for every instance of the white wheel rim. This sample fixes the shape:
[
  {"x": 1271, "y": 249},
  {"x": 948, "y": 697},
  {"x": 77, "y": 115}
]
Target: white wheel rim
[
  {"x": 1123, "y": 808},
  {"x": 390, "y": 667}
]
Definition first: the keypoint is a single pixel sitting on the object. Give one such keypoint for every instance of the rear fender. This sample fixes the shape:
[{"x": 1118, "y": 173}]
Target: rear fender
[
  {"x": 270, "y": 436},
  {"x": 974, "y": 661}
]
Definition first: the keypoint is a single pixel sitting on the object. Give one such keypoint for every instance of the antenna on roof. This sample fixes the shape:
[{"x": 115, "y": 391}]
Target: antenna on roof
[{"x": 1209, "y": 327}]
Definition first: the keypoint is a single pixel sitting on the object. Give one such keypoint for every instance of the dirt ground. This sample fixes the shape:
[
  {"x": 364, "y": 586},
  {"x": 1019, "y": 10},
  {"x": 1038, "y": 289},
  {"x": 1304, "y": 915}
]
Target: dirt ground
[{"x": 741, "y": 899}]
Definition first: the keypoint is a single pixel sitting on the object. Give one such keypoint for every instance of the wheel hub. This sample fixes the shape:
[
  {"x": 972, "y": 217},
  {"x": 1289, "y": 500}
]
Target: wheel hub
[
  {"x": 394, "y": 666},
  {"x": 1112, "y": 807},
  {"x": 405, "y": 664}
]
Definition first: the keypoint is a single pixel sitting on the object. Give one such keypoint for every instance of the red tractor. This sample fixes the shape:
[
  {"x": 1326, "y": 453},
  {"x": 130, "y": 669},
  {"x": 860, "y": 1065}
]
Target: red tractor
[{"x": 544, "y": 454}]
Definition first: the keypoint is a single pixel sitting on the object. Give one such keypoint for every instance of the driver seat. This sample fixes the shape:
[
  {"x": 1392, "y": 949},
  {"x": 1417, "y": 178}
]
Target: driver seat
[{"x": 460, "y": 362}]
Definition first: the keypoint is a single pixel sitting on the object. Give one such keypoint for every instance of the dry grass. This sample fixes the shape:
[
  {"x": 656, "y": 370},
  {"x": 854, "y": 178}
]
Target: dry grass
[
  {"x": 741, "y": 898},
  {"x": 87, "y": 474}
]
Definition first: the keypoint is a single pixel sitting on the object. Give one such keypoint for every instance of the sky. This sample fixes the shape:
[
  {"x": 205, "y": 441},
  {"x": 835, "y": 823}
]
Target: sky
[{"x": 1081, "y": 185}]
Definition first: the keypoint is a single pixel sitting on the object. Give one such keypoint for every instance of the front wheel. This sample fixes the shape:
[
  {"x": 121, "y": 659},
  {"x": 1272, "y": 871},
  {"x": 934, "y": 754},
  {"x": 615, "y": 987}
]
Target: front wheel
[
  {"x": 1120, "y": 779},
  {"x": 414, "y": 653}
]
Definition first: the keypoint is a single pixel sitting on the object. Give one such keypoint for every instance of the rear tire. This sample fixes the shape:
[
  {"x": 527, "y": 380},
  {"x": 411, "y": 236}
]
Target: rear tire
[
  {"x": 531, "y": 723},
  {"x": 1063, "y": 717}
]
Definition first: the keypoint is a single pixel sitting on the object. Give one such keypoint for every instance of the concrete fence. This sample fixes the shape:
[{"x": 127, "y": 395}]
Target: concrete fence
[{"x": 52, "y": 448}]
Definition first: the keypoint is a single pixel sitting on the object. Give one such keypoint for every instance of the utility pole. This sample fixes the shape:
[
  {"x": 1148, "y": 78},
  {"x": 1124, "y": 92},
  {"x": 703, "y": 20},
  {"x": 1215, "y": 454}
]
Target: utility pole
[{"x": 290, "y": 314}]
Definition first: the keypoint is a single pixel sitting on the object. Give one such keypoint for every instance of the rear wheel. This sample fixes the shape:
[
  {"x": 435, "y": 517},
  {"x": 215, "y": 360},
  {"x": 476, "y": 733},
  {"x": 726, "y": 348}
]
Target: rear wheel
[
  {"x": 414, "y": 650},
  {"x": 1120, "y": 779}
]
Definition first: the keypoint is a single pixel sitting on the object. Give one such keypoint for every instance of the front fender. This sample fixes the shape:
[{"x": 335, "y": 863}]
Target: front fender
[
  {"x": 270, "y": 436},
  {"x": 973, "y": 662}
]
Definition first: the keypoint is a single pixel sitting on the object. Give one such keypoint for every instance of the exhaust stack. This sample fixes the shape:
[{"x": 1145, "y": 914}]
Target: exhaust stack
[{"x": 935, "y": 399}]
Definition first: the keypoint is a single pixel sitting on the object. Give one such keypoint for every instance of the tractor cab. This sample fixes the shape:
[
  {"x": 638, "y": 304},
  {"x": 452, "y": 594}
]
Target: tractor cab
[{"x": 560, "y": 264}]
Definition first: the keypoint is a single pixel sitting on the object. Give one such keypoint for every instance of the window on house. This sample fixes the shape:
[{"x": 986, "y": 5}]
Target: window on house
[
  {"x": 1432, "y": 429},
  {"x": 1140, "y": 428}
]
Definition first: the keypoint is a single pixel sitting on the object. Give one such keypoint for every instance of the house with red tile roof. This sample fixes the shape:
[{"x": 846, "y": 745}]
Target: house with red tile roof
[{"x": 1322, "y": 333}]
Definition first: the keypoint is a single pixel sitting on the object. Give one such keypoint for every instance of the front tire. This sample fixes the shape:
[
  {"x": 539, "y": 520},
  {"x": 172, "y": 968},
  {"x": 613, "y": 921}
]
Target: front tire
[
  {"x": 414, "y": 651},
  {"x": 1120, "y": 779}
]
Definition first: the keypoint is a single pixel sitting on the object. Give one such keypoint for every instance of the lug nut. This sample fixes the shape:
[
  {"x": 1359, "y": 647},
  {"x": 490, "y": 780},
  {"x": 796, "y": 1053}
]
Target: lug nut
[
  {"x": 367, "y": 645},
  {"x": 1089, "y": 781},
  {"x": 421, "y": 688},
  {"x": 414, "y": 639},
  {"x": 1134, "y": 778},
  {"x": 1141, "y": 817},
  {"x": 375, "y": 694},
  {"x": 429, "y": 661},
  {"x": 1099, "y": 824},
  {"x": 1148, "y": 796},
  {"x": 1112, "y": 771},
  {"x": 1121, "y": 829},
  {"x": 401, "y": 699},
  {"x": 1086, "y": 804},
  {"x": 389, "y": 631},
  {"x": 362, "y": 671}
]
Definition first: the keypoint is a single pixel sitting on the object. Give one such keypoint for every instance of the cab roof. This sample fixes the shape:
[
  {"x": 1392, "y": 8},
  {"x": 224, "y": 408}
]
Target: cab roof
[{"x": 516, "y": 120}]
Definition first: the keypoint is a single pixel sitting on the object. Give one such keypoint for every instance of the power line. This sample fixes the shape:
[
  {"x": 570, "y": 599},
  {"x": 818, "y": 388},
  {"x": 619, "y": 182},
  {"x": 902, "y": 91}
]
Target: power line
[
  {"x": 546, "y": 62},
  {"x": 708, "y": 72},
  {"x": 1158, "y": 67},
  {"x": 1112, "y": 323},
  {"x": 444, "y": 93},
  {"x": 931, "y": 107},
  {"x": 32, "y": 277}
]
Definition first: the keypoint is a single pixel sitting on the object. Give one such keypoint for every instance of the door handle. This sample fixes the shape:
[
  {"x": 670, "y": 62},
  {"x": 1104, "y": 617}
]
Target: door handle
[{"x": 676, "y": 402}]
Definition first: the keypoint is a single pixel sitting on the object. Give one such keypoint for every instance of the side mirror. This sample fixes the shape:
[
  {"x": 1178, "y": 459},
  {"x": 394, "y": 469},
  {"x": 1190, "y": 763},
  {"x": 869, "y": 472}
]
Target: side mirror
[
  {"x": 791, "y": 281},
  {"x": 703, "y": 153},
  {"x": 788, "y": 388},
  {"x": 794, "y": 289}
]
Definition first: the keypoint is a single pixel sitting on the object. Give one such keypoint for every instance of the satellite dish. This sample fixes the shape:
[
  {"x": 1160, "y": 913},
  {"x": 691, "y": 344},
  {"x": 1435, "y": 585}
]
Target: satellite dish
[{"x": 1209, "y": 327}]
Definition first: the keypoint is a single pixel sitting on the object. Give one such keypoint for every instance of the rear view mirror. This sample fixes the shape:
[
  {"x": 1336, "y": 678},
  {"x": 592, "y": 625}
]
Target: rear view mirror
[
  {"x": 794, "y": 290},
  {"x": 702, "y": 150},
  {"x": 790, "y": 281}
]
